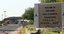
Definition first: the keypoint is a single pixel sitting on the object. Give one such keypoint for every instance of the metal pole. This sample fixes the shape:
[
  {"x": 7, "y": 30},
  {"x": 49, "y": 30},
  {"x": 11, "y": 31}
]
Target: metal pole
[{"x": 4, "y": 14}]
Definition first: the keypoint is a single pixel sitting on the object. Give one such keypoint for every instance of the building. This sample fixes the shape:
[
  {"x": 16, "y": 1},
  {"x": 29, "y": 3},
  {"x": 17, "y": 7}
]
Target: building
[
  {"x": 49, "y": 15},
  {"x": 12, "y": 20}
]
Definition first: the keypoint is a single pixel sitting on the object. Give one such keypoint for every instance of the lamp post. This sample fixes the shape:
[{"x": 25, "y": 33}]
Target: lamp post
[{"x": 4, "y": 14}]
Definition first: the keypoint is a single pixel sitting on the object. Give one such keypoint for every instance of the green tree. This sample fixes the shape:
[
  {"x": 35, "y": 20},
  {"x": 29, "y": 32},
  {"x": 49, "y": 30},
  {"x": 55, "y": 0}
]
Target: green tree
[
  {"x": 62, "y": 0},
  {"x": 29, "y": 14},
  {"x": 47, "y": 1},
  {"x": 58, "y": 0}
]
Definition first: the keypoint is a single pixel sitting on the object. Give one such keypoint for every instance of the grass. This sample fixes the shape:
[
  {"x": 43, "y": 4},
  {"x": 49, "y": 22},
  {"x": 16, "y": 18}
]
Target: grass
[
  {"x": 62, "y": 31},
  {"x": 31, "y": 28},
  {"x": 50, "y": 32},
  {"x": 23, "y": 30}
]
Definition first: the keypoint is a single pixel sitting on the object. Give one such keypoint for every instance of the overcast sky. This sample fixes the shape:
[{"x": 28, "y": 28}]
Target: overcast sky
[{"x": 15, "y": 7}]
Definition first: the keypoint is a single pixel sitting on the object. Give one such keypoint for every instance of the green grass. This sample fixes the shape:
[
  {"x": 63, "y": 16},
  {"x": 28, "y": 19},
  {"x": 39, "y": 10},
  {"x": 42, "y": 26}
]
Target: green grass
[
  {"x": 23, "y": 30},
  {"x": 62, "y": 31},
  {"x": 31, "y": 28},
  {"x": 50, "y": 32}
]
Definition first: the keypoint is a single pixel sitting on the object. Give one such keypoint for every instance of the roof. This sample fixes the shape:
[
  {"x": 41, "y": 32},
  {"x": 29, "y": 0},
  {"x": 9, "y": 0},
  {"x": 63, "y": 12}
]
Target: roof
[{"x": 13, "y": 18}]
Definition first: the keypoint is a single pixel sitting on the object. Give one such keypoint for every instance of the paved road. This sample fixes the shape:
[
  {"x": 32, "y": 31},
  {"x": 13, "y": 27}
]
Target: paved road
[{"x": 9, "y": 28}]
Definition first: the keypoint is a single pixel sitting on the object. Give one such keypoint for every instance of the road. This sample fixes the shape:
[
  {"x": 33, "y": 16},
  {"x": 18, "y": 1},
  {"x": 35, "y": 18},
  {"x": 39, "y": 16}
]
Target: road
[{"x": 9, "y": 28}]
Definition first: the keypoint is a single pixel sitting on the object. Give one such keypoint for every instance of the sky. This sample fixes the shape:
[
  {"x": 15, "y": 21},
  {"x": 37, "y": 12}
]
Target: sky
[{"x": 15, "y": 8}]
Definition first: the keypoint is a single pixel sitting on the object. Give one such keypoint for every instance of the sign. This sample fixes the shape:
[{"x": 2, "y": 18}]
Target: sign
[{"x": 49, "y": 15}]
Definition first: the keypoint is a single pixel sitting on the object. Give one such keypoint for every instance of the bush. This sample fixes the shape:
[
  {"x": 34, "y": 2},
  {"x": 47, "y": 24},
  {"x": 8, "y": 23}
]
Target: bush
[{"x": 31, "y": 22}]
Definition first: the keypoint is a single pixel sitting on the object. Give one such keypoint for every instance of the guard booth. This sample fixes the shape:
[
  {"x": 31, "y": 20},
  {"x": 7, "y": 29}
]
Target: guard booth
[{"x": 49, "y": 15}]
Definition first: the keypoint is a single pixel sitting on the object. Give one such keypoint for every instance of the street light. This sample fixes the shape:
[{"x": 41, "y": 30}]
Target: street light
[{"x": 4, "y": 14}]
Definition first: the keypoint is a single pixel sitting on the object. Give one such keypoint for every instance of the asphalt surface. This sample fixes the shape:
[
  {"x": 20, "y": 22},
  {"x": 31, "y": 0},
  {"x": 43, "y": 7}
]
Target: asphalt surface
[{"x": 9, "y": 28}]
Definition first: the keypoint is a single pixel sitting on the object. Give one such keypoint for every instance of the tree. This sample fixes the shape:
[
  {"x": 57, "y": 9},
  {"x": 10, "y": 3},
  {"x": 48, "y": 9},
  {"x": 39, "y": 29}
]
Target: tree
[
  {"x": 48, "y": 1},
  {"x": 58, "y": 0},
  {"x": 62, "y": 0},
  {"x": 29, "y": 14}
]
